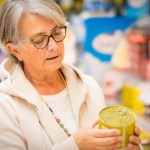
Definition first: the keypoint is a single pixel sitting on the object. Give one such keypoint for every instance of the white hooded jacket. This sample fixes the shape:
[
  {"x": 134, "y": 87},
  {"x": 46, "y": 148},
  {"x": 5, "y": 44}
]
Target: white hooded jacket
[{"x": 25, "y": 121}]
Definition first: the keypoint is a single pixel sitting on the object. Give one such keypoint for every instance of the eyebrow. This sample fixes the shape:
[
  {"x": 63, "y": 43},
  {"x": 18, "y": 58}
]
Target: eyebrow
[{"x": 39, "y": 33}]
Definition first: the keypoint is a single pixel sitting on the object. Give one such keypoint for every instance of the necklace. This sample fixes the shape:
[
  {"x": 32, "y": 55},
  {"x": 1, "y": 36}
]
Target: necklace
[{"x": 58, "y": 120}]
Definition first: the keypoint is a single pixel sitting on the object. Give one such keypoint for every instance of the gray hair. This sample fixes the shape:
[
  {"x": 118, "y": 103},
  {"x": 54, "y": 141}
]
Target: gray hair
[{"x": 12, "y": 11}]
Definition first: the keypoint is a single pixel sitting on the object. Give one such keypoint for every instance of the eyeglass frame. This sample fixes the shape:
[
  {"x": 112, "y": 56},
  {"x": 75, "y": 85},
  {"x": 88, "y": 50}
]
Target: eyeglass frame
[{"x": 32, "y": 40}]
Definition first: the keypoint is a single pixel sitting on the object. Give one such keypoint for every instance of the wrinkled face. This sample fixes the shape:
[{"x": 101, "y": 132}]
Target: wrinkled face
[{"x": 48, "y": 59}]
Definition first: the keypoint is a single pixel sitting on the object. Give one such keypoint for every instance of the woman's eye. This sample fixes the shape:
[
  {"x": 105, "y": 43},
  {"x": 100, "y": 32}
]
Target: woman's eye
[
  {"x": 57, "y": 34},
  {"x": 38, "y": 42}
]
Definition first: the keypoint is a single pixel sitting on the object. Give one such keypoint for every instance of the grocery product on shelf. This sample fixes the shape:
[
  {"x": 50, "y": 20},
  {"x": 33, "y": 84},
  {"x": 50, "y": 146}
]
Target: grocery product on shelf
[
  {"x": 103, "y": 6},
  {"x": 119, "y": 7},
  {"x": 66, "y": 5},
  {"x": 137, "y": 8},
  {"x": 98, "y": 8},
  {"x": 145, "y": 136},
  {"x": 130, "y": 93},
  {"x": 89, "y": 5},
  {"x": 1, "y": 2},
  {"x": 77, "y": 6},
  {"x": 138, "y": 54}
]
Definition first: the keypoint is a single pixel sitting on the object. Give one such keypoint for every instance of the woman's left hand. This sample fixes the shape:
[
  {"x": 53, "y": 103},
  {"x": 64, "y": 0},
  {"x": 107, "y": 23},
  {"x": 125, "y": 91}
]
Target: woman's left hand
[{"x": 135, "y": 139}]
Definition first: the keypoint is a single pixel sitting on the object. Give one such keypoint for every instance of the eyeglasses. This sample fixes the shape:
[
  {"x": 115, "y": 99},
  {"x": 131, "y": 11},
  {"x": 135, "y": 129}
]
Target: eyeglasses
[{"x": 41, "y": 41}]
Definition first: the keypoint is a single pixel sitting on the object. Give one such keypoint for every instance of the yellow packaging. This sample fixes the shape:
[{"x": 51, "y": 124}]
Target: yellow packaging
[{"x": 118, "y": 117}]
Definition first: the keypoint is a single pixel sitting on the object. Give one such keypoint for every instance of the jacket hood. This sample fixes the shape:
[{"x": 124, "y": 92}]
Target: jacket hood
[{"x": 15, "y": 83}]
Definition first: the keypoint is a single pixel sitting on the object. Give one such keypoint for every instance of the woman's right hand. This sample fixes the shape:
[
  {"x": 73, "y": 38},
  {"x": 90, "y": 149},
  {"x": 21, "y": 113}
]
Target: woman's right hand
[{"x": 88, "y": 138}]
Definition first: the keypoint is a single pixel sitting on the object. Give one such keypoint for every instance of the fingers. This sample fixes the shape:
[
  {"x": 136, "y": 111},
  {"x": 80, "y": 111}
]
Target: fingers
[
  {"x": 101, "y": 133},
  {"x": 137, "y": 131},
  {"x": 109, "y": 147},
  {"x": 133, "y": 147},
  {"x": 107, "y": 141},
  {"x": 135, "y": 139}
]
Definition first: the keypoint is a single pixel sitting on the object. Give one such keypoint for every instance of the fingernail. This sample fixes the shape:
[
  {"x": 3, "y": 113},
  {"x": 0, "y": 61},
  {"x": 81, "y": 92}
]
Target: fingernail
[
  {"x": 130, "y": 146},
  {"x": 118, "y": 144},
  {"x": 117, "y": 132},
  {"x": 120, "y": 138},
  {"x": 131, "y": 138}
]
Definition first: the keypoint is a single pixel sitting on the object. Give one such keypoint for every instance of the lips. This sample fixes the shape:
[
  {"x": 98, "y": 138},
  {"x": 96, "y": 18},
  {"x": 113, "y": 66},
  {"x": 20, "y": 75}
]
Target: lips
[{"x": 52, "y": 58}]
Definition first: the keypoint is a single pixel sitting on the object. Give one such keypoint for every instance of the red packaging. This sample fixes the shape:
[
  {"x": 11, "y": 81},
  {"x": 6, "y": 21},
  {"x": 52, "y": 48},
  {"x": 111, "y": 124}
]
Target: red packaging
[{"x": 145, "y": 69}]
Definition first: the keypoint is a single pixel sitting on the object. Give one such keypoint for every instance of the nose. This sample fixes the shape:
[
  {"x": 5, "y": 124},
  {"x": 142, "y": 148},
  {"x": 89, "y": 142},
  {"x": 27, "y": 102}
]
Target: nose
[{"x": 52, "y": 44}]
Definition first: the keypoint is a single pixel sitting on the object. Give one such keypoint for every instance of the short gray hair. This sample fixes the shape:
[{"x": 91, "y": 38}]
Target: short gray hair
[{"x": 12, "y": 11}]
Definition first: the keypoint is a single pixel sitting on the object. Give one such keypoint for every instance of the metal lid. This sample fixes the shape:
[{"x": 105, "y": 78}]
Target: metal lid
[{"x": 117, "y": 116}]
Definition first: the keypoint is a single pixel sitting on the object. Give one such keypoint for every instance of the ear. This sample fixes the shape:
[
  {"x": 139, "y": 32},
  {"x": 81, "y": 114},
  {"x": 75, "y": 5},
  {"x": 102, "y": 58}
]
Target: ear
[{"x": 14, "y": 51}]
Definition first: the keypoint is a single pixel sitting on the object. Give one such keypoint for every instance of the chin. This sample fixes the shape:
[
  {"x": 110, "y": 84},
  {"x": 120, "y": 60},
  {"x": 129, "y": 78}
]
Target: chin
[{"x": 55, "y": 66}]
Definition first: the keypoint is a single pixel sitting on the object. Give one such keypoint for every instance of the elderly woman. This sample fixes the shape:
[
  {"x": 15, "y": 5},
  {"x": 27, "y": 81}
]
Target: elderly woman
[{"x": 46, "y": 104}]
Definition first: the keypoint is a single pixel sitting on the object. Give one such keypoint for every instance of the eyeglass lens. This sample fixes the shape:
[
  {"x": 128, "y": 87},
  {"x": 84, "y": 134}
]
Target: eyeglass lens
[{"x": 41, "y": 41}]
